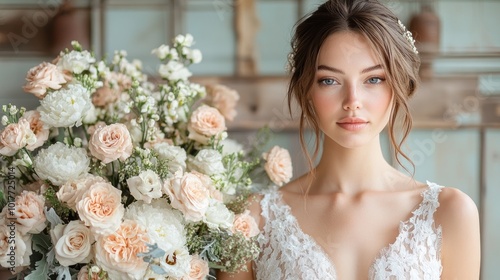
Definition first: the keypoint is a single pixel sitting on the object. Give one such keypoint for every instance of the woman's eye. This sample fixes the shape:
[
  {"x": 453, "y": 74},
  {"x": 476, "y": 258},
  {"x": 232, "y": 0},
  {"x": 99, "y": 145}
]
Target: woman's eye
[
  {"x": 327, "y": 82},
  {"x": 375, "y": 80}
]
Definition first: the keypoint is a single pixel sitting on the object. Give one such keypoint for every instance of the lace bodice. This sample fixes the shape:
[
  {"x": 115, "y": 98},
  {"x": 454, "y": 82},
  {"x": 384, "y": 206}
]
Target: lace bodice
[{"x": 288, "y": 253}]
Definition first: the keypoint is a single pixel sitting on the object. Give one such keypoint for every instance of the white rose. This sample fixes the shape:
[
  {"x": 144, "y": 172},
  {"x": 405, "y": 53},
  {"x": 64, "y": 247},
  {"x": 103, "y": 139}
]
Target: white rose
[
  {"x": 59, "y": 163},
  {"x": 13, "y": 243},
  {"x": 76, "y": 61},
  {"x": 218, "y": 216},
  {"x": 72, "y": 243},
  {"x": 65, "y": 107},
  {"x": 209, "y": 162},
  {"x": 145, "y": 186},
  {"x": 175, "y": 155},
  {"x": 174, "y": 71}
]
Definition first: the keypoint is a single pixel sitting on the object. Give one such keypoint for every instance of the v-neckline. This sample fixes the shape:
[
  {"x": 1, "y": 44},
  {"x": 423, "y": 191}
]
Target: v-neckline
[{"x": 312, "y": 240}]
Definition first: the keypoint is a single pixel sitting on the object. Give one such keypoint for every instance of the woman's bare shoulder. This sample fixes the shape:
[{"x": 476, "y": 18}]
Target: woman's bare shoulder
[
  {"x": 458, "y": 217},
  {"x": 456, "y": 206}
]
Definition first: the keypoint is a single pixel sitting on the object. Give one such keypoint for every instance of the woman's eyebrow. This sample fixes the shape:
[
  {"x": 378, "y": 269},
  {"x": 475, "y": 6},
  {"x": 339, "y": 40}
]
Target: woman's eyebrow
[{"x": 335, "y": 70}]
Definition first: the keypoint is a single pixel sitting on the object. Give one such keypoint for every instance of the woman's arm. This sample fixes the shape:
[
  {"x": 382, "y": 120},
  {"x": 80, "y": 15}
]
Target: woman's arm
[
  {"x": 242, "y": 275},
  {"x": 461, "y": 249}
]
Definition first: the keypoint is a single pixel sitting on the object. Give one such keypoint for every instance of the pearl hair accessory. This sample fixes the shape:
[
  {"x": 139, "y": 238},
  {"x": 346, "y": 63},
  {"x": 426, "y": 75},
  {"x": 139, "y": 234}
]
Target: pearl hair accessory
[{"x": 408, "y": 36}]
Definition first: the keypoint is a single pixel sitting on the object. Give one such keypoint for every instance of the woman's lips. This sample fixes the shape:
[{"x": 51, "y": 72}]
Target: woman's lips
[{"x": 352, "y": 124}]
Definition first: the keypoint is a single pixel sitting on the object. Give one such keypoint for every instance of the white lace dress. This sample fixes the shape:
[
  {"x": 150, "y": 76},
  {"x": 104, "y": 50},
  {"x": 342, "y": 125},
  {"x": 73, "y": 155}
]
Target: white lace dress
[{"x": 288, "y": 253}]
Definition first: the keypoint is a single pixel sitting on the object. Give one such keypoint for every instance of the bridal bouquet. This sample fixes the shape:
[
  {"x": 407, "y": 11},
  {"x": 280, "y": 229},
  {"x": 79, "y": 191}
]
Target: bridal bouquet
[{"x": 115, "y": 176}]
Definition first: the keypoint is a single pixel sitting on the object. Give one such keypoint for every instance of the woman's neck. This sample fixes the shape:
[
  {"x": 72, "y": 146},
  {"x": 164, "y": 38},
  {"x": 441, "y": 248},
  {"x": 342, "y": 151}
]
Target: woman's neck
[{"x": 354, "y": 170}]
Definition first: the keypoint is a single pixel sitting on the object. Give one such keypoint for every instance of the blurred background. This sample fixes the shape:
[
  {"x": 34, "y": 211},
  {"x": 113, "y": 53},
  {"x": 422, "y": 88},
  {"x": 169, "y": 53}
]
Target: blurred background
[{"x": 456, "y": 136}]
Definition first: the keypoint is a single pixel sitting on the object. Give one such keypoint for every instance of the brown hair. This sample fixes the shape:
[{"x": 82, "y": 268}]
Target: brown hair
[{"x": 387, "y": 38}]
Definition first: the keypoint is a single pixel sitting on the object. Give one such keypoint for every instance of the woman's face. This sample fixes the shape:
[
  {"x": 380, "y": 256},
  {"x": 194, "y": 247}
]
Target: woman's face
[{"x": 350, "y": 94}]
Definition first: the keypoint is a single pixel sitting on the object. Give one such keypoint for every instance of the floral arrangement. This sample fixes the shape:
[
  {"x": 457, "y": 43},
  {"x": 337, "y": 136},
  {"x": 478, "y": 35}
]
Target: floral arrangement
[{"x": 114, "y": 176}]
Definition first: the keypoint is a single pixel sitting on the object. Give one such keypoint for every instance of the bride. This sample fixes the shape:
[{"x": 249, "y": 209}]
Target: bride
[{"x": 353, "y": 216}]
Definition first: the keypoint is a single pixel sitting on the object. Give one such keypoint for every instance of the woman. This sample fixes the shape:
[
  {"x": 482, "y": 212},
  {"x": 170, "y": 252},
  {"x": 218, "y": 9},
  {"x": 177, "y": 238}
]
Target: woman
[{"x": 354, "y": 216}]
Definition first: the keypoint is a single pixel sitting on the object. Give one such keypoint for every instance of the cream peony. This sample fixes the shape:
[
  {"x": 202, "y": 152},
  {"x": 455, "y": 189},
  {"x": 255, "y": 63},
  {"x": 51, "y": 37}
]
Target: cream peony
[
  {"x": 165, "y": 225},
  {"x": 208, "y": 161},
  {"x": 100, "y": 208},
  {"x": 16, "y": 136},
  {"x": 27, "y": 212},
  {"x": 145, "y": 186},
  {"x": 72, "y": 243},
  {"x": 218, "y": 216},
  {"x": 76, "y": 61},
  {"x": 42, "y": 77},
  {"x": 111, "y": 142},
  {"x": 175, "y": 155},
  {"x": 15, "y": 248},
  {"x": 59, "y": 163},
  {"x": 117, "y": 252},
  {"x": 224, "y": 99},
  {"x": 206, "y": 122},
  {"x": 245, "y": 224},
  {"x": 72, "y": 191},
  {"x": 188, "y": 194},
  {"x": 198, "y": 269},
  {"x": 40, "y": 130},
  {"x": 65, "y": 107},
  {"x": 278, "y": 165}
]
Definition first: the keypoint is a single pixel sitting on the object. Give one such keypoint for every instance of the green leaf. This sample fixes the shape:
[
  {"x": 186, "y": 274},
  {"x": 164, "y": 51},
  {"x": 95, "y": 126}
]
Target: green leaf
[
  {"x": 62, "y": 273},
  {"x": 41, "y": 272},
  {"x": 41, "y": 243},
  {"x": 52, "y": 217}
]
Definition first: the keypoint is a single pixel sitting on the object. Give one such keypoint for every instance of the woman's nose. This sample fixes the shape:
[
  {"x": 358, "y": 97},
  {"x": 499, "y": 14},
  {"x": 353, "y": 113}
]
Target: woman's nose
[{"x": 351, "y": 99}]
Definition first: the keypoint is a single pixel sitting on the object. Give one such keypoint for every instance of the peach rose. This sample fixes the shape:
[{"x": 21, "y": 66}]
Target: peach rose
[
  {"x": 15, "y": 248},
  {"x": 72, "y": 191},
  {"x": 40, "y": 130},
  {"x": 204, "y": 123},
  {"x": 100, "y": 208},
  {"x": 42, "y": 77},
  {"x": 28, "y": 212},
  {"x": 278, "y": 165},
  {"x": 188, "y": 194},
  {"x": 16, "y": 136},
  {"x": 72, "y": 243},
  {"x": 199, "y": 269},
  {"x": 111, "y": 142},
  {"x": 245, "y": 224},
  {"x": 117, "y": 252},
  {"x": 224, "y": 99},
  {"x": 104, "y": 96}
]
